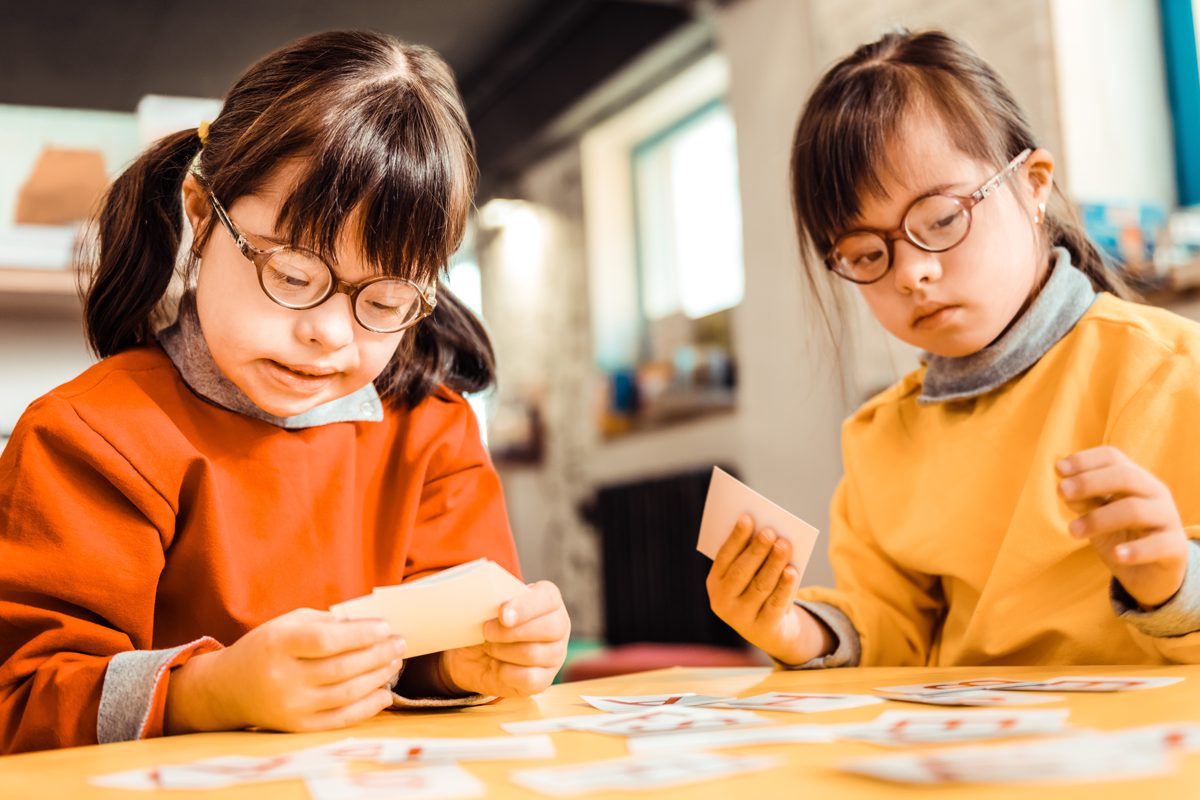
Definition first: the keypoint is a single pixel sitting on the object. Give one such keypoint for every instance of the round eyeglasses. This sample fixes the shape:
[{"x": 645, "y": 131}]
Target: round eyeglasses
[
  {"x": 935, "y": 223},
  {"x": 298, "y": 279}
]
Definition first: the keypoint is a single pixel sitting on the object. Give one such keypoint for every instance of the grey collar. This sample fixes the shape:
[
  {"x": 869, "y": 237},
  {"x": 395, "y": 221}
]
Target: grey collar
[
  {"x": 185, "y": 345},
  {"x": 1066, "y": 297}
]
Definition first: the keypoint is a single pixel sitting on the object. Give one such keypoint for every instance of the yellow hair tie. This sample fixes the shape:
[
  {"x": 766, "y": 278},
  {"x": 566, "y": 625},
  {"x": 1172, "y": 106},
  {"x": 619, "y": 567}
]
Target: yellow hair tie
[{"x": 202, "y": 132}]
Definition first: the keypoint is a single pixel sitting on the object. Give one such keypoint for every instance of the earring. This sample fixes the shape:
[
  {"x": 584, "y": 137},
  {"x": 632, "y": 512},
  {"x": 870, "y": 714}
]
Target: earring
[{"x": 1040, "y": 214}]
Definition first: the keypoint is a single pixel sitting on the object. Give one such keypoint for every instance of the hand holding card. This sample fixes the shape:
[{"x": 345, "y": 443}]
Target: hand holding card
[
  {"x": 755, "y": 573},
  {"x": 728, "y": 499}
]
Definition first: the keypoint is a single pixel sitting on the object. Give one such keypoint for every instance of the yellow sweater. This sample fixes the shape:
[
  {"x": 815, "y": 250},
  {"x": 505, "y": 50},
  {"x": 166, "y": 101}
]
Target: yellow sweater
[{"x": 948, "y": 536}]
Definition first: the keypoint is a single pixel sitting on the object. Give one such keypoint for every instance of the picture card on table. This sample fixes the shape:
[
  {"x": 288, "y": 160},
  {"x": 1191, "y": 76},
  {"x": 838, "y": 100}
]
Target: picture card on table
[
  {"x": 624, "y": 703},
  {"x": 635, "y": 773},
  {"x": 728, "y": 499},
  {"x": 441, "y": 611},
  {"x": 797, "y": 702}
]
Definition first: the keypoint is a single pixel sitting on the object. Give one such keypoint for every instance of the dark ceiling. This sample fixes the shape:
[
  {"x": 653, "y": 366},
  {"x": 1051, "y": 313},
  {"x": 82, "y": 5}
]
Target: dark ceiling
[{"x": 519, "y": 62}]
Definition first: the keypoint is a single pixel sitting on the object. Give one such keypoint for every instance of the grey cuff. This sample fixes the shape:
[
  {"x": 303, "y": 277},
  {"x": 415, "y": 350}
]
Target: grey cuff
[
  {"x": 127, "y": 697},
  {"x": 1178, "y": 616},
  {"x": 848, "y": 646}
]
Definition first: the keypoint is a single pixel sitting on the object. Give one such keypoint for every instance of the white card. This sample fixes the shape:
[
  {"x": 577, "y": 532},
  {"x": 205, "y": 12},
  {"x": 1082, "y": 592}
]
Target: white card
[
  {"x": 803, "y": 703},
  {"x": 951, "y": 687},
  {"x": 671, "y": 719},
  {"x": 639, "y": 772},
  {"x": 922, "y": 727},
  {"x": 732, "y": 737},
  {"x": 1086, "y": 757},
  {"x": 416, "y": 783},
  {"x": 619, "y": 704},
  {"x": 1093, "y": 683},
  {"x": 662, "y": 719},
  {"x": 439, "y": 612},
  {"x": 729, "y": 498},
  {"x": 222, "y": 771},
  {"x": 1181, "y": 737},
  {"x": 978, "y": 697},
  {"x": 483, "y": 748}
]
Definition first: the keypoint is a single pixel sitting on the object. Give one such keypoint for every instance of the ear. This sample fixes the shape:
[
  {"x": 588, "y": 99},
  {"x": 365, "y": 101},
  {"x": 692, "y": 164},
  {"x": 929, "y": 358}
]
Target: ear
[
  {"x": 1039, "y": 179},
  {"x": 195, "y": 203}
]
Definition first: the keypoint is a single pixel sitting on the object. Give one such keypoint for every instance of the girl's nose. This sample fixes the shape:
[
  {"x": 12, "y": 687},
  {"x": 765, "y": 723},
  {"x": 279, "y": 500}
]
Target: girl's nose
[
  {"x": 329, "y": 325},
  {"x": 914, "y": 268}
]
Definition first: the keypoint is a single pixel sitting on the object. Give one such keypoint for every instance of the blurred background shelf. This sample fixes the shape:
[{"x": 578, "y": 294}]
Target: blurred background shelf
[{"x": 38, "y": 291}]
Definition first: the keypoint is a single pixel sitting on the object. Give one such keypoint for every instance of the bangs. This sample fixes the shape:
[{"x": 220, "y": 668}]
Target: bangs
[
  {"x": 398, "y": 182},
  {"x": 843, "y": 147},
  {"x": 383, "y": 154}
]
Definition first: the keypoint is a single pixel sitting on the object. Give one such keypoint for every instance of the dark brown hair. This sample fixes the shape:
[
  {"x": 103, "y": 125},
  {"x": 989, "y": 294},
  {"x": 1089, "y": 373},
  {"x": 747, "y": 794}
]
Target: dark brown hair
[
  {"x": 841, "y": 140},
  {"x": 378, "y": 129}
]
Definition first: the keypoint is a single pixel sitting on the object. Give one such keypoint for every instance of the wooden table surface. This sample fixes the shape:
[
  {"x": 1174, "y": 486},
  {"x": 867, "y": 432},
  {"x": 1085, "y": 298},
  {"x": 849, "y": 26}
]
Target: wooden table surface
[{"x": 808, "y": 770}]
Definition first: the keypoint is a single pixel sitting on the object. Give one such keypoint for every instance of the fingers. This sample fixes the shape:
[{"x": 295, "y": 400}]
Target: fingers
[
  {"x": 539, "y": 599},
  {"x": 1093, "y": 458},
  {"x": 767, "y": 577},
  {"x": 341, "y": 667},
  {"x": 349, "y": 692},
  {"x": 1154, "y": 548},
  {"x": 511, "y": 680},
  {"x": 529, "y": 654},
  {"x": 351, "y": 714},
  {"x": 550, "y": 627},
  {"x": 733, "y": 546},
  {"x": 1126, "y": 514},
  {"x": 781, "y": 597},
  {"x": 742, "y": 571},
  {"x": 1110, "y": 480},
  {"x": 329, "y": 637}
]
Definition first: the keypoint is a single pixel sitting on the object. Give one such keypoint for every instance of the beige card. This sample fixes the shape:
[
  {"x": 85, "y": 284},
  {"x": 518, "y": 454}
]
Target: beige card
[
  {"x": 441, "y": 611},
  {"x": 729, "y": 498}
]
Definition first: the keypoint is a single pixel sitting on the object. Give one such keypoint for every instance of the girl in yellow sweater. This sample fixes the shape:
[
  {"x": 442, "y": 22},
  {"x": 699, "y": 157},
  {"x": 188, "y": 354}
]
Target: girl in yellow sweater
[{"x": 1028, "y": 495}]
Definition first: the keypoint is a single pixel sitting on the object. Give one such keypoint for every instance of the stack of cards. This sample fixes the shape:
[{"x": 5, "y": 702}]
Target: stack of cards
[
  {"x": 728, "y": 499},
  {"x": 441, "y": 611}
]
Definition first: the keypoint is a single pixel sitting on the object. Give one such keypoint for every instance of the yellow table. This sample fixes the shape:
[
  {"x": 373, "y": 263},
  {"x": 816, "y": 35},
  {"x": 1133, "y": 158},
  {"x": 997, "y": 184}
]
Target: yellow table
[{"x": 808, "y": 771}]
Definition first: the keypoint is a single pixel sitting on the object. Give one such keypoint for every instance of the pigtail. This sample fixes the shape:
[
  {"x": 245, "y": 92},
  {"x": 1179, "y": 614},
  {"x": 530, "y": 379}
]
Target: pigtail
[
  {"x": 139, "y": 229},
  {"x": 450, "y": 347},
  {"x": 1065, "y": 229}
]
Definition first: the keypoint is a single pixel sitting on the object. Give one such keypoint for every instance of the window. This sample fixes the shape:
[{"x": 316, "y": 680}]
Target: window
[{"x": 689, "y": 227}]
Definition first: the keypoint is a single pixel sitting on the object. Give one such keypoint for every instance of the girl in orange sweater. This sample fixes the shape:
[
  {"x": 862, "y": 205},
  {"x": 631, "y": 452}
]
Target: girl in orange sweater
[{"x": 170, "y": 519}]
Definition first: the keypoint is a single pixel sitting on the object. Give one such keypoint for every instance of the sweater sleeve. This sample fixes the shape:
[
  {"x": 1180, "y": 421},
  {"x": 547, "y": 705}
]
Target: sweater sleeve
[
  {"x": 1157, "y": 429},
  {"x": 82, "y": 543},
  {"x": 895, "y": 611}
]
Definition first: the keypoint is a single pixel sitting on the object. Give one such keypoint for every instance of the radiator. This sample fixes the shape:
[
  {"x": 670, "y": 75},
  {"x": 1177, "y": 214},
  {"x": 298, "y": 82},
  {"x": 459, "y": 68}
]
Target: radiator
[{"x": 653, "y": 578}]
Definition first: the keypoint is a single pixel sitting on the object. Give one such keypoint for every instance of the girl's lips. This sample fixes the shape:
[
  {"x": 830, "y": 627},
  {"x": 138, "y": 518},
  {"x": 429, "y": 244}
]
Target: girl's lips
[
  {"x": 935, "y": 318},
  {"x": 296, "y": 381}
]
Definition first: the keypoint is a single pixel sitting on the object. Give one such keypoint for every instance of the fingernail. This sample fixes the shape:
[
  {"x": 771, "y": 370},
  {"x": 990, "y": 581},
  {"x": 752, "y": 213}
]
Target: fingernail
[
  {"x": 1123, "y": 552},
  {"x": 382, "y": 629},
  {"x": 767, "y": 535},
  {"x": 744, "y": 520},
  {"x": 508, "y": 617},
  {"x": 1062, "y": 465},
  {"x": 398, "y": 646},
  {"x": 1067, "y": 487}
]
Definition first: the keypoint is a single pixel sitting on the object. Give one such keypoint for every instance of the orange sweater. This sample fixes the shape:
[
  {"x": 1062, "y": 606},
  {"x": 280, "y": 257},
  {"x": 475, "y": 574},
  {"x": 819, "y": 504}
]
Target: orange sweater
[{"x": 135, "y": 515}]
